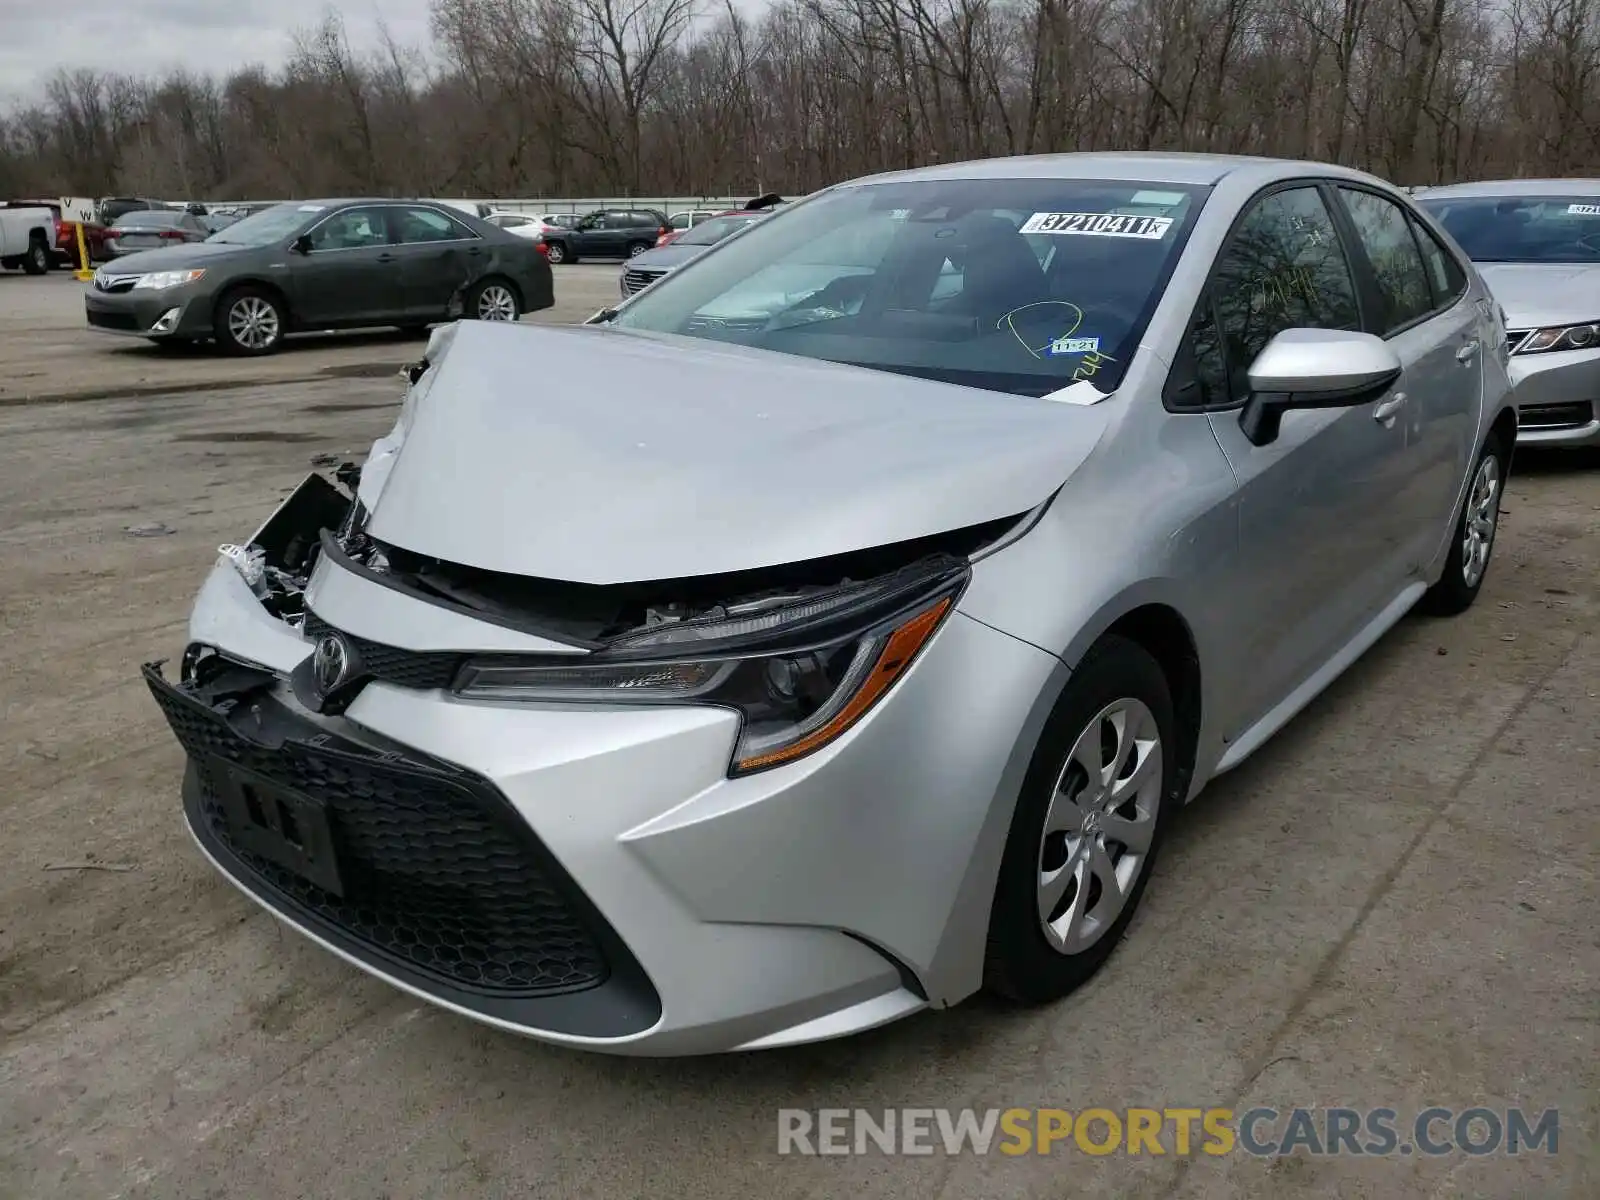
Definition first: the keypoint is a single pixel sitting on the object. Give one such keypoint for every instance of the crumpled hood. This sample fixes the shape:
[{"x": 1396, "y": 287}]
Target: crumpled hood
[
  {"x": 601, "y": 456},
  {"x": 1539, "y": 294}
]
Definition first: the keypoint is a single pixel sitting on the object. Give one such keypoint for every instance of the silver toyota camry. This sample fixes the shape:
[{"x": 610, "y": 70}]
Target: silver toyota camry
[
  {"x": 833, "y": 629},
  {"x": 1537, "y": 244}
]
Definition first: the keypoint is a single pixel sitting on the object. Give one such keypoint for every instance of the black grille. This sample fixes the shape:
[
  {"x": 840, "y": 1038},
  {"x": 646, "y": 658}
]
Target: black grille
[
  {"x": 1572, "y": 415},
  {"x": 421, "y": 669},
  {"x": 438, "y": 872},
  {"x": 636, "y": 279},
  {"x": 113, "y": 320}
]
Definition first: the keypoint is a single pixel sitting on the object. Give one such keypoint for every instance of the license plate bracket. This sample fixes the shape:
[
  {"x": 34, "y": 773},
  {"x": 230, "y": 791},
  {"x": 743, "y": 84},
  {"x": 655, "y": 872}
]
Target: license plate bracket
[{"x": 281, "y": 825}]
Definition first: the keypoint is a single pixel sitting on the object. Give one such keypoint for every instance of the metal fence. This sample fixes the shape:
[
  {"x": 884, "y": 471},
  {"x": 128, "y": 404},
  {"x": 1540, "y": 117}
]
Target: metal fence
[{"x": 564, "y": 204}]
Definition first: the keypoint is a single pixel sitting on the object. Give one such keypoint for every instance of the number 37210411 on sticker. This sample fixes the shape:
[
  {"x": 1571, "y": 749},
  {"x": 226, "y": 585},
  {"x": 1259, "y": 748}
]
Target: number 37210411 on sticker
[{"x": 1099, "y": 225}]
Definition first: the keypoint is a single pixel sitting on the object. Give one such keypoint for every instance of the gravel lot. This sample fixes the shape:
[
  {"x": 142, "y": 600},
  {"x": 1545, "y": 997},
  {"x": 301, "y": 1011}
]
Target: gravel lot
[{"x": 1393, "y": 904}]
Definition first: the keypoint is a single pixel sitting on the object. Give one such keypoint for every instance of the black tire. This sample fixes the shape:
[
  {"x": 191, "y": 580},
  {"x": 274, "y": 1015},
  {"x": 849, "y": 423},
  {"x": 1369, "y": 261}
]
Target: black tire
[
  {"x": 1459, "y": 586},
  {"x": 557, "y": 253},
  {"x": 39, "y": 257},
  {"x": 232, "y": 330},
  {"x": 492, "y": 299},
  {"x": 637, "y": 248},
  {"x": 1021, "y": 963}
]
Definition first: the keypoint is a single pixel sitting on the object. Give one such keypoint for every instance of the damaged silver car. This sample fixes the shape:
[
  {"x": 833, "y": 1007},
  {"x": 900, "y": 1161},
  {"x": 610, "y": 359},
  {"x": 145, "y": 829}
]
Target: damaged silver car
[{"x": 832, "y": 629}]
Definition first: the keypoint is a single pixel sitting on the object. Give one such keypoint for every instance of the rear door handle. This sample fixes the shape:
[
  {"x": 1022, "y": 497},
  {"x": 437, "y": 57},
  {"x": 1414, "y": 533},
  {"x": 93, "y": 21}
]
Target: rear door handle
[
  {"x": 1386, "y": 410},
  {"x": 1468, "y": 351},
  {"x": 386, "y": 257}
]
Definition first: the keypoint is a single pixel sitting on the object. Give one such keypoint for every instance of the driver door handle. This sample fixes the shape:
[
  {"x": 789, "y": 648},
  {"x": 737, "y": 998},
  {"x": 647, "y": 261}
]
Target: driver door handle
[
  {"x": 1386, "y": 410},
  {"x": 1468, "y": 350},
  {"x": 385, "y": 257}
]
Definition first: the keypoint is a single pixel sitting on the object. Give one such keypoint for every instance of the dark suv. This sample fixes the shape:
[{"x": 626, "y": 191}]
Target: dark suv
[{"x": 607, "y": 233}]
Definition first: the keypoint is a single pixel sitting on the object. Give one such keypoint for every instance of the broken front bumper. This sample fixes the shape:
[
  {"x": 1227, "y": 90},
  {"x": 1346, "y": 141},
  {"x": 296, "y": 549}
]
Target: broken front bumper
[{"x": 591, "y": 875}]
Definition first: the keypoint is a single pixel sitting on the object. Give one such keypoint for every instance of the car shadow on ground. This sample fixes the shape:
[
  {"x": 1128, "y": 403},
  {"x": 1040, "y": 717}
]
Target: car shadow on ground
[{"x": 295, "y": 343}]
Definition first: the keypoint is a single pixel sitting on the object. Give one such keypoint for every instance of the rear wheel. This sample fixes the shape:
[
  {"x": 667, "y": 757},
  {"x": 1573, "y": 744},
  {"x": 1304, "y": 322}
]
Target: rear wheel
[
  {"x": 1087, "y": 827},
  {"x": 250, "y": 321},
  {"x": 39, "y": 258},
  {"x": 493, "y": 300},
  {"x": 556, "y": 253},
  {"x": 1472, "y": 541},
  {"x": 637, "y": 248}
]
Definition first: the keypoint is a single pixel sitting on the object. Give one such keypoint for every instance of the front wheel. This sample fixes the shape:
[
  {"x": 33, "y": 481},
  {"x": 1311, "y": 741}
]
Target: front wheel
[
  {"x": 38, "y": 259},
  {"x": 1088, "y": 823},
  {"x": 493, "y": 300},
  {"x": 1472, "y": 540},
  {"x": 250, "y": 322}
]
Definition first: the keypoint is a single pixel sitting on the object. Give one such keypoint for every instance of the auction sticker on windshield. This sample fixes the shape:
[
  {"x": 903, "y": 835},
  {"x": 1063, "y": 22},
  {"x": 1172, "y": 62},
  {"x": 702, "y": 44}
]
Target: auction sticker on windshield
[
  {"x": 1583, "y": 210},
  {"x": 1099, "y": 225}
]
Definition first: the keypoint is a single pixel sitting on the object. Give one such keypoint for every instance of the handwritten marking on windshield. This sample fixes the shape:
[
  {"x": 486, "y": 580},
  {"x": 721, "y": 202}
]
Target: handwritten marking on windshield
[{"x": 1010, "y": 319}]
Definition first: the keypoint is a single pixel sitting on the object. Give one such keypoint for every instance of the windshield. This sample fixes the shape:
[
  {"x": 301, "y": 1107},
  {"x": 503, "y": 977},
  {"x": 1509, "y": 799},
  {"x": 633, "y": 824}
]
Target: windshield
[
  {"x": 1522, "y": 229},
  {"x": 270, "y": 225},
  {"x": 1014, "y": 285},
  {"x": 709, "y": 233},
  {"x": 154, "y": 218}
]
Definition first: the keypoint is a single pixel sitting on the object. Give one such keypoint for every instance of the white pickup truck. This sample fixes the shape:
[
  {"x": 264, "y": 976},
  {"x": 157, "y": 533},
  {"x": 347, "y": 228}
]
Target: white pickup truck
[{"x": 27, "y": 239}]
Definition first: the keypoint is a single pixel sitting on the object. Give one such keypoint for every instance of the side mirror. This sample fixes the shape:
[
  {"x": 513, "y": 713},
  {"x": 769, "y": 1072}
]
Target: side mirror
[
  {"x": 301, "y": 244},
  {"x": 1314, "y": 368}
]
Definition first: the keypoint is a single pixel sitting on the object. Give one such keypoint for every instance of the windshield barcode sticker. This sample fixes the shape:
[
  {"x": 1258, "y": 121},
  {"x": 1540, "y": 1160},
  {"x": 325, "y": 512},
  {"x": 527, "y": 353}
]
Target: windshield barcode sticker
[
  {"x": 1099, "y": 225},
  {"x": 1583, "y": 210}
]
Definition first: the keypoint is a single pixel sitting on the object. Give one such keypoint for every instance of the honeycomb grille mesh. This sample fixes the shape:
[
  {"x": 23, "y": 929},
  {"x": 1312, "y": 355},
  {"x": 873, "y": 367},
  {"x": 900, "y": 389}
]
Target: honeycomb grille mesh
[{"x": 435, "y": 872}]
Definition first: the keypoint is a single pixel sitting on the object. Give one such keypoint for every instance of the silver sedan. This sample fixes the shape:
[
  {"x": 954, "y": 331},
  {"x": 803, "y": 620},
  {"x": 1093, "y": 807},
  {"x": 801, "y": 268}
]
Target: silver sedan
[
  {"x": 1537, "y": 244},
  {"x": 837, "y": 626}
]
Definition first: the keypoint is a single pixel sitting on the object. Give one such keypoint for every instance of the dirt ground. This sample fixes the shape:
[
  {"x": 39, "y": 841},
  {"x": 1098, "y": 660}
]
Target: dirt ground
[{"x": 1392, "y": 905}]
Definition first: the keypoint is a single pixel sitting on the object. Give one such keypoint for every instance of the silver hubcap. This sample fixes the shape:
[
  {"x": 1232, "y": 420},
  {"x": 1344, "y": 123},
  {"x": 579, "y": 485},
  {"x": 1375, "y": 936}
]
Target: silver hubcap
[
  {"x": 496, "y": 303},
  {"x": 555, "y": 253},
  {"x": 635, "y": 251},
  {"x": 1098, "y": 830},
  {"x": 253, "y": 322},
  {"x": 1483, "y": 510}
]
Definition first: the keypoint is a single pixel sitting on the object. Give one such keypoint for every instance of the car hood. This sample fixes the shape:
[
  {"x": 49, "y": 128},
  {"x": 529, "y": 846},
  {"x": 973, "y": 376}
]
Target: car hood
[
  {"x": 605, "y": 456},
  {"x": 176, "y": 258},
  {"x": 665, "y": 257},
  {"x": 1539, "y": 294}
]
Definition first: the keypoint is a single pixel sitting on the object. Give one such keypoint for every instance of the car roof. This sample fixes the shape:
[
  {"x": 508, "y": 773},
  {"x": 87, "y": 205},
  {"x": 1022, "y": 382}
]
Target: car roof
[
  {"x": 1141, "y": 166},
  {"x": 1516, "y": 187}
]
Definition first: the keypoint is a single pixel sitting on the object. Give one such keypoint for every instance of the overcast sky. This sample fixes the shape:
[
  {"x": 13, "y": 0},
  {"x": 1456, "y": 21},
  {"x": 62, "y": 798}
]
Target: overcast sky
[{"x": 144, "y": 36}]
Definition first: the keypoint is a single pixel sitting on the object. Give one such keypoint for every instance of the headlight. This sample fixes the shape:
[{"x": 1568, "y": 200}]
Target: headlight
[
  {"x": 1562, "y": 337},
  {"x": 799, "y": 675},
  {"x": 159, "y": 280}
]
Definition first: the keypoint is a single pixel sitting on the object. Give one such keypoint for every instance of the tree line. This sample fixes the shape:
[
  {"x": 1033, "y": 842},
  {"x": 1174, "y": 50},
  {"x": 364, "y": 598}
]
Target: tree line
[{"x": 695, "y": 97}]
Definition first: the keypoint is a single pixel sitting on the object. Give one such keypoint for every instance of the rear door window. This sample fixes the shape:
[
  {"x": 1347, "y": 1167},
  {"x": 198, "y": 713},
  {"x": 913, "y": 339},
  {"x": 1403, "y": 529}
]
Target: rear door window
[
  {"x": 415, "y": 225},
  {"x": 1384, "y": 232}
]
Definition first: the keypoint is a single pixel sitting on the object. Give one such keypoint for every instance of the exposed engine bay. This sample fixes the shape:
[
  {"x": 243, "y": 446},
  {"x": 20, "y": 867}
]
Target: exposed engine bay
[{"x": 320, "y": 518}]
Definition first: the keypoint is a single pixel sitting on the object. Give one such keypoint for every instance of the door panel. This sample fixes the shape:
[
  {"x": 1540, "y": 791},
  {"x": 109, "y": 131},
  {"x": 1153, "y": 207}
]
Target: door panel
[
  {"x": 1319, "y": 546},
  {"x": 349, "y": 276},
  {"x": 437, "y": 258},
  {"x": 1433, "y": 331}
]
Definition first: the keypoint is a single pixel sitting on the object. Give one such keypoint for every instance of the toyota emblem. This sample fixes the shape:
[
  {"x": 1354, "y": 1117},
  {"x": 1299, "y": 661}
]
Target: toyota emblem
[{"x": 330, "y": 662}]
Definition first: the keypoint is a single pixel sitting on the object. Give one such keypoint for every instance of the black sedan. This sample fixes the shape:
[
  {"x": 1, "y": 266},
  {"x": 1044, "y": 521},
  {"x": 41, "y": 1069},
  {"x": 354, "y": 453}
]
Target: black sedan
[{"x": 325, "y": 264}]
